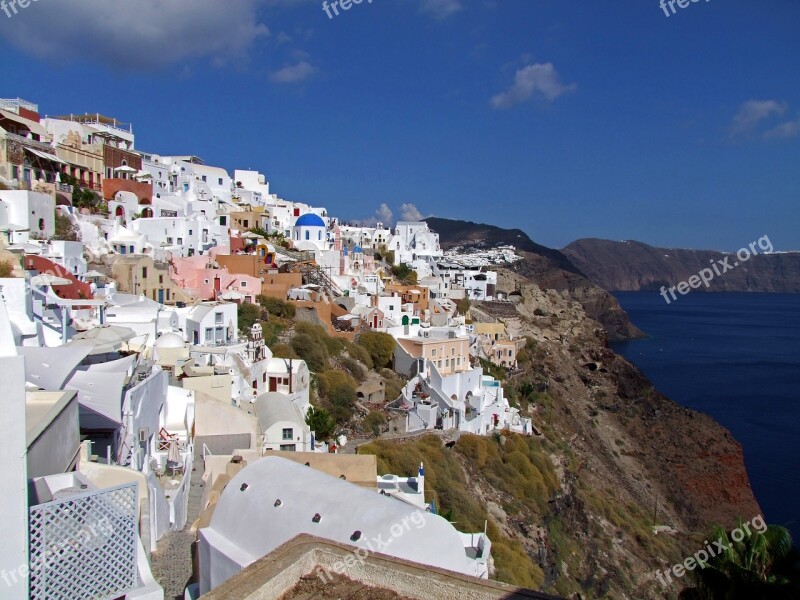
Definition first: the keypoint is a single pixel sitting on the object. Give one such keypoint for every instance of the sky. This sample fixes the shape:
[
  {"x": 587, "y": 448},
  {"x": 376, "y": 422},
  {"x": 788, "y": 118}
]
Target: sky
[{"x": 564, "y": 118}]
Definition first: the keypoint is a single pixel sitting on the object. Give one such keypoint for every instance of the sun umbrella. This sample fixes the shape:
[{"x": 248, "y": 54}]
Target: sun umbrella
[
  {"x": 232, "y": 295},
  {"x": 173, "y": 456},
  {"x": 108, "y": 338}
]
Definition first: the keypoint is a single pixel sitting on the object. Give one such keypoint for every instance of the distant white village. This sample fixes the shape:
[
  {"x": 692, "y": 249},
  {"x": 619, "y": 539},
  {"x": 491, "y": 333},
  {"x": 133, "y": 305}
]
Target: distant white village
[{"x": 149, "y": 410}]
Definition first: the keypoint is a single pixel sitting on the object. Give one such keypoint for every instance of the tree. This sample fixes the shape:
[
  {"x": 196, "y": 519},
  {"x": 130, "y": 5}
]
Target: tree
[
  {"x": 249, "y": 314},
  {"x": 379, "y": 345},
  {"x": 65, "y": 230},
  {"x": 259, "y": 231},
  {"x": 320, "y": 422},
  {"x": 463, "y": 306},
  {"x": 6, "y": 270},
  {"x": 747, "y": 569},
  {"x": 405, "y": 274}
]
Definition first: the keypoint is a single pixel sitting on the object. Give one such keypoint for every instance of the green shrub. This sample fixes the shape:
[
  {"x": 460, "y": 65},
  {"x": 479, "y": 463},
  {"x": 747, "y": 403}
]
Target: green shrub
[
  {"x": 276, "y": 307},
  {"x": 249, "y": 314},
  {"x": 312, "y": 351},
  {"x": 374, "y": 422},
  {"x": 338, "y": 390},
  {"x": 380, "y": 347},
  {"x": 359, "y": 353}
]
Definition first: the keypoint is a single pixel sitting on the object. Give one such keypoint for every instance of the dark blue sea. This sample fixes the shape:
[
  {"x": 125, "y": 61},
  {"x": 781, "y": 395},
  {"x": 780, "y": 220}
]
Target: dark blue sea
[{"x": 735, "y": 357}]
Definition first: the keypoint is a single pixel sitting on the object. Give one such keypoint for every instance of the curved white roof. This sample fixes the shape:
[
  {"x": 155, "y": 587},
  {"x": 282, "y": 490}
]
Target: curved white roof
[
  {"x": 272, "y": 408},
  {"x": 247, "y": 521},
  {"x": 169, "y": 340}
]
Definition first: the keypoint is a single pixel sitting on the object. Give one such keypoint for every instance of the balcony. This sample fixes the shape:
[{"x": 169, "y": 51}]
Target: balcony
[{"x": 14, "y": 104}]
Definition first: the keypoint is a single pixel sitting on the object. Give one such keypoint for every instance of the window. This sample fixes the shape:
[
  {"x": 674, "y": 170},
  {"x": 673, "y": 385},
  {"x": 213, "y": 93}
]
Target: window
[
  {"x": 190, "y": 232},
  {"x": 204, "y": 177},
  {"x": 223, "y": 221},
  {"x": 219, "y": 181},
  {"x": 160, "y": 279},
  {"x": 433, "y": 352},
  {"x": 219, "y": 318},
  {"x": 244, "y": 284},
  {"x": 288, "y": 434},
  {"x": 169, "y": 241},
  {"x": 308, "y": 235},
  {"x": 131, "y": 249},
  {"x": 246, "y": 223},
  {"x": 209, "y": 333},
  {"x": 288, "y": 448},
  {"x": 144, "y": 272},
  {"x": 180, "y": 241},
  {"x": 41, "y": 224}
]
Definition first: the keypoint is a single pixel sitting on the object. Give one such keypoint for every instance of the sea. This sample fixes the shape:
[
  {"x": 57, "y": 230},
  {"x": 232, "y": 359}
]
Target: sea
[{"x": 736, "y": 357}]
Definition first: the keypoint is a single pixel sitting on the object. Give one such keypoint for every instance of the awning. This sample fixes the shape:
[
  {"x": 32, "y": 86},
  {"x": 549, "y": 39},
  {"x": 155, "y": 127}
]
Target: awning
[
  {"x": 46, "y": 155},
  {"x": 32, "y": 126}
]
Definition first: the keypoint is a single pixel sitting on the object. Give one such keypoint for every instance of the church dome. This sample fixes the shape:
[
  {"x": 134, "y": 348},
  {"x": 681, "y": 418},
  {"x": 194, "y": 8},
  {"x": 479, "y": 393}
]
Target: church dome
[{"x": 310, "y": 220}]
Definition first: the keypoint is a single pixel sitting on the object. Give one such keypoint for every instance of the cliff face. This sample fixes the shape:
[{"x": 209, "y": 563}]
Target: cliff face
[
  {"x": 622, "y": 454},
  {"x": 634, "y": 266},
  {"x": 548, "y": 268}
]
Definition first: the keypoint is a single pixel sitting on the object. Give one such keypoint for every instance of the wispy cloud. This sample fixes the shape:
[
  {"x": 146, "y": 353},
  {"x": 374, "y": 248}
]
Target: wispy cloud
[
  {"x": 753, "y": 113},
  {"x": 297, "y": 73},
  {"x": 538, "y": 81},
  {"x": 440, "y": 9},
  {"x": 790, "y": 129}
]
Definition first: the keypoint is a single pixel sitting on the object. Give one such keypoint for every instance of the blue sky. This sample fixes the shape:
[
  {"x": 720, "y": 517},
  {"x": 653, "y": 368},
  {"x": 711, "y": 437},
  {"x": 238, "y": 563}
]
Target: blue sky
[{"x": 566, "y": 119}]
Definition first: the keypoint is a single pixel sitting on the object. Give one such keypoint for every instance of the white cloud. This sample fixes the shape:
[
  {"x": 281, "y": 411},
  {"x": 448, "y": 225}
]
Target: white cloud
[
  {"x": 786, "y": 130},
  {"x": 409, "y": 212},
  {"x": 753, "y": 112},
  {"x": 440, "y": 9},
  {"x": 383, "y": 215},
  {"x": 140, "y": 35},
  {"x": 297, "y": 73},
  {"x": 539, "y": 80}
]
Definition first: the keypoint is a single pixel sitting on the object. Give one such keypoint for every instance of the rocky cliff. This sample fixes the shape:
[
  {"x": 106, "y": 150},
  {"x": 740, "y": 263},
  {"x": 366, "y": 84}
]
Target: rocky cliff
[
  {"x": 544, "y": 266},
  {"x": 634, "y": 266},
  {"x": 571, "y": 511}
]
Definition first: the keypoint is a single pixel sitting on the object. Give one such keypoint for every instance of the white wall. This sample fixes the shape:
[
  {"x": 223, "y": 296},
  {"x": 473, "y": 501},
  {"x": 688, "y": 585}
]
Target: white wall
[{"x": 14, "y": 499}]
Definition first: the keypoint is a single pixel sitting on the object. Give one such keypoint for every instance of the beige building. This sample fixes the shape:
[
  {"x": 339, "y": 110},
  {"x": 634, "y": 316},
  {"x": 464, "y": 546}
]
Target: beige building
[
  {"x": 141, "y": 275},
  {"x": 503, "y": 353},
  {"x": 449, "y": 354}
]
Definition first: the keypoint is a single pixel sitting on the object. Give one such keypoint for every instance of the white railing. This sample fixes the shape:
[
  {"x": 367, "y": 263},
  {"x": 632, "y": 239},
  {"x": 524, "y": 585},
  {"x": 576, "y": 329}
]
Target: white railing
[{"x": 14, "y": 104}]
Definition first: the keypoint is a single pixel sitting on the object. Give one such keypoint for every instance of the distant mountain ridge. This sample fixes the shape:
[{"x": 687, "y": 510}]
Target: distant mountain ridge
[
  {"x": 546, "y": 267},
  {"x": 632, "y": 266}
]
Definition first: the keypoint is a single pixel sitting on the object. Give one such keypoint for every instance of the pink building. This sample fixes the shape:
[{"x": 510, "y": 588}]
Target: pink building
[{"x": 199, "y": 275}]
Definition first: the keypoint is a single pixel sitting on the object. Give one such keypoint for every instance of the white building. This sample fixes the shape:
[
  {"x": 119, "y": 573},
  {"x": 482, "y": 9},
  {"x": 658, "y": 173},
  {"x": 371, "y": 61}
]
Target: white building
[
  {"x": 210, "y": 324},
  {"x": 25, "y": 215},
  {"x": 273, "y": 500},
  {"x": 283, "y": 424}
]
